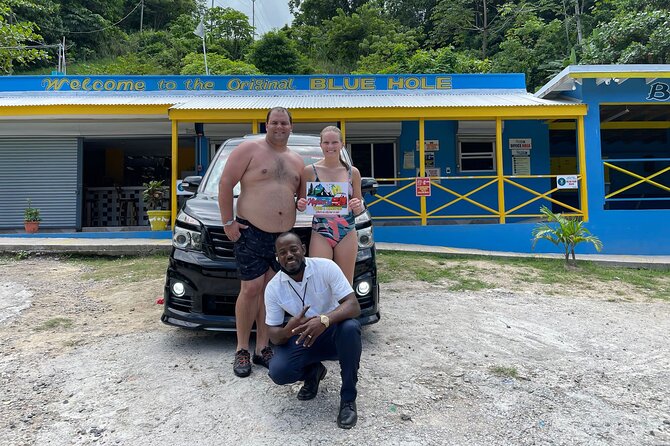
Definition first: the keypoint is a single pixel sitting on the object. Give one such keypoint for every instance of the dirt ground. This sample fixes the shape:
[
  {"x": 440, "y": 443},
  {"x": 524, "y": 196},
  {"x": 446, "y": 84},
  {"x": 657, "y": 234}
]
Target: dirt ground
[{"x": 85, "y": 362}]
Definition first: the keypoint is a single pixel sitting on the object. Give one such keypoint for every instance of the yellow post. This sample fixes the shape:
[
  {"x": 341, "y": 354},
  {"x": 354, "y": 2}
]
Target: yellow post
[
  {"x": 343, "y": 129},
  {"x": 173, "y": 186},
  {"x": 499, "y": 170},
  {"x": 254, "y": 126},
  {"x": 422, "y": 167},
  {"x": 581, "y": 148}
]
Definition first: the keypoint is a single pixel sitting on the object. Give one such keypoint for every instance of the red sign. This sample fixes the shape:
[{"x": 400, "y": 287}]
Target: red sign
[{"x": 423, "y": 187}]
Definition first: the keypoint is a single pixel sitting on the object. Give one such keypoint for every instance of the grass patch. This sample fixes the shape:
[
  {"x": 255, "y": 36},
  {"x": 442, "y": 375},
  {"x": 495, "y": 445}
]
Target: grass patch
[
  {"x": 463, "y": 276},
  {"x": 649, "y": 282},
  {"x": 430, "y": 268},
  {"x": 504, "y": 372},
  {"x": 55, "y": 323},
  {"x": 126, "y": 269}
]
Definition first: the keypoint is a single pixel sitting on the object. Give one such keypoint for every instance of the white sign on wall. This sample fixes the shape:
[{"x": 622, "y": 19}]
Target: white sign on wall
[
  {"x": 567, "y": 182},
  {"x": 520, "y": 143}
]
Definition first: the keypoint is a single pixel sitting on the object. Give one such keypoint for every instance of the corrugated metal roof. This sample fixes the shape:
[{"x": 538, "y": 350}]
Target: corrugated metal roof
[
  {"x": 565, "y": 79},
  {"x": 304, "y": 100},
  {"x": 78, "y": 98},
  {"x": 246, "y": 100}
]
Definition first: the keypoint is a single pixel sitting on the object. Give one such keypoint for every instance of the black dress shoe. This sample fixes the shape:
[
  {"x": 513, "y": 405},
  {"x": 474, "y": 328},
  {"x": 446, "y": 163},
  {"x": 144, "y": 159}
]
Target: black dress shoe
[
  {"x": 348, "y": 415},
  {"x": 311, "y": 387}
]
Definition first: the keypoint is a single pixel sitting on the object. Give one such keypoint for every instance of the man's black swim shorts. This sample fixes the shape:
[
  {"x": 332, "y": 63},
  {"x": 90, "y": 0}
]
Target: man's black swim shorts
[{"x": 255, "y": 251}]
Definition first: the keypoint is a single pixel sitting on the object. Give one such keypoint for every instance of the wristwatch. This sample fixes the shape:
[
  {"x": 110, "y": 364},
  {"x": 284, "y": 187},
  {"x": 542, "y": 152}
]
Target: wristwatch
[
  {"x": 325, "y": 320},
  {"x": 229, "y": 222}
]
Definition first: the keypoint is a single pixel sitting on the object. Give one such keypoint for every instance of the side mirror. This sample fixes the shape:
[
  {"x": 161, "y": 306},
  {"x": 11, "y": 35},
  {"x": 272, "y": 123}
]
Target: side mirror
[
  {"x": 368, "y": 185},
  {"x": 191, "y": 183}
]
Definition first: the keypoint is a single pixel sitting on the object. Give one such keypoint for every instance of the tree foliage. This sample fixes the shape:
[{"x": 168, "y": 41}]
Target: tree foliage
[
  {"x": 194, "y": 63},
  {"x": 230, "y": 33},
  {"x": 275, "y": 53},
  {"x": 313, "y": 12},
  {"x": 639, "y": 35},
  {"x": 16, "y": 35},
  {"x": 535, "y": 37}
]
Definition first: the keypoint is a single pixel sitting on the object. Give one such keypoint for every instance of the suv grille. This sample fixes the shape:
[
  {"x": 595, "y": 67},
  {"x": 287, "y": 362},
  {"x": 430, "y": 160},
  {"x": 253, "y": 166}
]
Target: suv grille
[
  {"x": 218, "y": 305},
  {"x": 221, "y": 247}
]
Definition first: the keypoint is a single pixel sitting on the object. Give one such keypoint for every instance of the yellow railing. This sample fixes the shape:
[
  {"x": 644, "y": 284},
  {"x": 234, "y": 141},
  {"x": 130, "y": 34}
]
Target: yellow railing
[
  {"x": 458, "y": 197},
  {"x": 641, "y": 179}
]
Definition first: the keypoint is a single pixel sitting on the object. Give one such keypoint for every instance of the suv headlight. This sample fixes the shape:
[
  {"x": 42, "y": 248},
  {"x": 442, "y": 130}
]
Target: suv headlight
[
  {"x": 183, "y": 238},
  {"x": 365, "y": 238}
]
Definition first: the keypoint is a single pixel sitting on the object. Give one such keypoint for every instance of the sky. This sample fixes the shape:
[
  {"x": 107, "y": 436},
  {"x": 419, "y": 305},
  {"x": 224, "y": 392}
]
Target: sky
[{"x": 269, "y": 14}]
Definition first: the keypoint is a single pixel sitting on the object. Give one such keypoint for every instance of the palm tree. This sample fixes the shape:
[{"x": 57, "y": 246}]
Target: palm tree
[{"x": 569, "y": 233}]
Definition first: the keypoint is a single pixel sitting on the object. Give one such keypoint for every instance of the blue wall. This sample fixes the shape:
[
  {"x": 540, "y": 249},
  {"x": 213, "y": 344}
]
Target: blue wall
[
  {"x": 447, "y": 157},
  {"x": 641, "y": 232}
]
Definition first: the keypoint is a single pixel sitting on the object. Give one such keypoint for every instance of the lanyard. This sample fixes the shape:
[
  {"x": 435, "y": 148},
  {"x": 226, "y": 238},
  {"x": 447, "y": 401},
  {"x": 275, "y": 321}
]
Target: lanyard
[{"x": 302, "y": 299}]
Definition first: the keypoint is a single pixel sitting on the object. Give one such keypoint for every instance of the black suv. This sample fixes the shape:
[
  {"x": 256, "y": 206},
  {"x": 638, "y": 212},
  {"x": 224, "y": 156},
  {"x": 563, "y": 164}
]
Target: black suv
[{"x": 201, "y": 284}]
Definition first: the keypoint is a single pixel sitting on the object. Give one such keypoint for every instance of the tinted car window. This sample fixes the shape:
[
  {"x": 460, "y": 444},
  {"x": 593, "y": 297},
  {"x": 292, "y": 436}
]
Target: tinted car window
[{"x": 309, "y": 154}]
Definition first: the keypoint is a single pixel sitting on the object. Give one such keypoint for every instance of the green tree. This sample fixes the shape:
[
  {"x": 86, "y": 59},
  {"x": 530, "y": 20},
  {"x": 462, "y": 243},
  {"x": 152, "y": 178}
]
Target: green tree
[
  {"x": 413, "y": 14},
  {"x": 229, "y": 31},
  {"x": 17, "y": 35},
  {"x": 158, "y": 14},
  {"x": 89, "y": 28},
  {"x": 638, "y": 32},
  {"x": 568, "y": 233},
  {"x": 347, "y": 38},
  {"x": 313, "y": 12},
  {"x": 275, "y": 53},
  {"x": 194, "y": 63},
  {"x": 442, "y": 60},
  {"x": 472, "y": 24},
  {"x": 533, "y": 47},
  {"x": 127, "y": 64}
]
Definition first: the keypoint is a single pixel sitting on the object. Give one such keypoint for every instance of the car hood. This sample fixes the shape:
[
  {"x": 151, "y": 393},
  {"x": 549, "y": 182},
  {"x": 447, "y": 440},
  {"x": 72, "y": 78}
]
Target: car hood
[{"x": 205, "y": 208}]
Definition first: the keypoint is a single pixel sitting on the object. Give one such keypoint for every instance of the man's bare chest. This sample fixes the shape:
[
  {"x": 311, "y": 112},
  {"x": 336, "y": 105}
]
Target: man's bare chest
[{"x": 273, "y": 169}]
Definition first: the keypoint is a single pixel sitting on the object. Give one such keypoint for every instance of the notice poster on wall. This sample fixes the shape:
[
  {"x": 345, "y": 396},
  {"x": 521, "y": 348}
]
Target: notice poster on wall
[
  {"x": 430, "y": 159},
  {"x": 423, "y": 187},
  {"x": 408, "y": 160},
  {"x": 324, "y": 198},
  {"x": 520, "y": 165},
  {"x": 429, "y": 145},
  {"x": 567, "y": 182}
]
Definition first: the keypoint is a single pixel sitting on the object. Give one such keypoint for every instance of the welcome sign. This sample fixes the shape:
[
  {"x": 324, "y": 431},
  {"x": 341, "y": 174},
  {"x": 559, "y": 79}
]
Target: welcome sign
[{"x": 320, "y": 83}]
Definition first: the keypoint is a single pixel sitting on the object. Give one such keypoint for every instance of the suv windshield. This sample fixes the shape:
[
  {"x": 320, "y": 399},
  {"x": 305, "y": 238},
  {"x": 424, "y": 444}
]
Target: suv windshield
[{"x": 310, "y": 154}]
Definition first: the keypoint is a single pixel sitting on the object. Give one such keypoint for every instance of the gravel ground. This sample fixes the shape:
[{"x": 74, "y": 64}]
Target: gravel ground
[{"x": 85, "y": 362}]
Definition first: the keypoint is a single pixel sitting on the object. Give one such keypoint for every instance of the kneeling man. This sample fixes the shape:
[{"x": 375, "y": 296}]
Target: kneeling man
[{"x": 323, "y": 307}]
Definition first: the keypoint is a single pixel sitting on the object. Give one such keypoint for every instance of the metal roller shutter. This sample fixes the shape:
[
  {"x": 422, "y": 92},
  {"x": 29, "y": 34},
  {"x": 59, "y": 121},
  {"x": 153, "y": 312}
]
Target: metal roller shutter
[{"x": 44, "y": 170}]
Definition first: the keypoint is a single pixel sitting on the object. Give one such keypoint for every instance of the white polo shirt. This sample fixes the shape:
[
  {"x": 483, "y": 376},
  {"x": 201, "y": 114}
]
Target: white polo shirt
[{"x": 323, "y": 286}]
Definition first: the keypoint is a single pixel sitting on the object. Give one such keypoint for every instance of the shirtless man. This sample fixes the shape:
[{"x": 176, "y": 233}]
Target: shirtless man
[{"x": 269, "y": 176}]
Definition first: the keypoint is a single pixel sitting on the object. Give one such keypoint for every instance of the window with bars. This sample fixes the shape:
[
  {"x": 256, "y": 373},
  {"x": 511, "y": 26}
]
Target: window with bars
[
  {"x": 374, "y": 159},
  {"x": 476, "y": 155}
]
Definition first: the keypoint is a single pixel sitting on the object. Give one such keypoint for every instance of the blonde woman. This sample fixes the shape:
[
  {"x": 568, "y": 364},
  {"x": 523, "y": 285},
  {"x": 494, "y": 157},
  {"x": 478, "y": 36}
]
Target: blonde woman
[{"x": 334, "y": 236}]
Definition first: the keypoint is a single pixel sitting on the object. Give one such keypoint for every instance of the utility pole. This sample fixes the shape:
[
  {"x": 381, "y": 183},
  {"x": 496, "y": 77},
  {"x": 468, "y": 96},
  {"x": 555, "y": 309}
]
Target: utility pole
[
  {"x": 211, "y": 19},
  {"x": 253, "y": 17},
  {"x": 141, "y": 15},
  {"x": 63, "y": 66}
]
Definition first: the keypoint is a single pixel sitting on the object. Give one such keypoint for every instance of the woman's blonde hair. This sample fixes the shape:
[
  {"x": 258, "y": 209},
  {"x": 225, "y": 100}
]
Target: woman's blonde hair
[{"x": 332, "y": 128}]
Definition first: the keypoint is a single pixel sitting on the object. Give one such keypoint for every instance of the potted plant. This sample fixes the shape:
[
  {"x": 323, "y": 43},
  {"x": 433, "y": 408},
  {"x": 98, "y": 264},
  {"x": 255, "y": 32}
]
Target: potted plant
[
  {"x": 31, "y": 218},
  {"x": 153, "y": 195}
]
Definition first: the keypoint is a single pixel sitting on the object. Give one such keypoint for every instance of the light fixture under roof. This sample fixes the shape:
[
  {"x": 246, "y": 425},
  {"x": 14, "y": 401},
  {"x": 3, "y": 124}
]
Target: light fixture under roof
[{"x": 616, "y": 115}]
